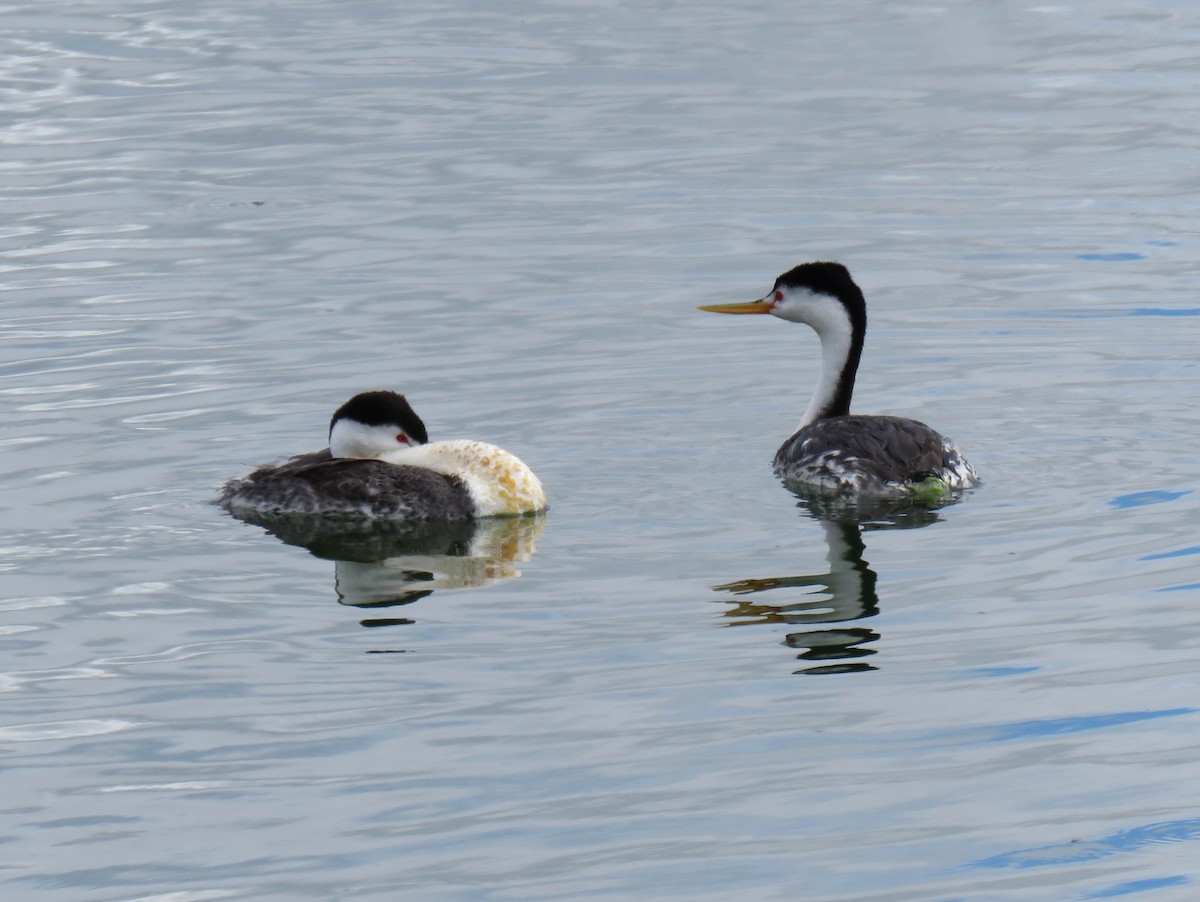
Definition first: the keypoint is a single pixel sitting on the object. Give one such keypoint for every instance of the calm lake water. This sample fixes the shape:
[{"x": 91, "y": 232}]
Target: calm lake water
[{"x": 223, "y": 219}]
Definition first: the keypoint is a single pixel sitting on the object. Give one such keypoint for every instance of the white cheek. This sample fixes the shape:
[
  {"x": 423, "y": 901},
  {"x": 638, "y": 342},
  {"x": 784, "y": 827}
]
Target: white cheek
[{"x": 350, "y": 439}]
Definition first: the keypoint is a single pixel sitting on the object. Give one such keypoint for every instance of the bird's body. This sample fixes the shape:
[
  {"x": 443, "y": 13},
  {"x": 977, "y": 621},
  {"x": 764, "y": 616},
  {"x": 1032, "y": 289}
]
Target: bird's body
[
  {"x": 379, "y": 465},
  {"x": 833, "y": 451},
  {"x": 875, "y": 455}
]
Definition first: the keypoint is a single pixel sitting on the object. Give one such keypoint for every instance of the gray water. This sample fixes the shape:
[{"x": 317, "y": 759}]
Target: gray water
[{"x": 223, "y": 219}]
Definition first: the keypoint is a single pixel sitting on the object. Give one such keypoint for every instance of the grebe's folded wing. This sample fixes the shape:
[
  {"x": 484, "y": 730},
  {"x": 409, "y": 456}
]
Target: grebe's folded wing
[
  {"x": 319, "y": 482},
  {"x": 893, "y": 449}
]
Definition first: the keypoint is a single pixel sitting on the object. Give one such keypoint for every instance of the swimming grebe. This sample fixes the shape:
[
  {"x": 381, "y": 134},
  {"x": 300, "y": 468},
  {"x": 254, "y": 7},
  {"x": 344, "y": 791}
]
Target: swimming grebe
[
  {"x": 381, "y": 464},
  {"x": 833, "y": 450}
]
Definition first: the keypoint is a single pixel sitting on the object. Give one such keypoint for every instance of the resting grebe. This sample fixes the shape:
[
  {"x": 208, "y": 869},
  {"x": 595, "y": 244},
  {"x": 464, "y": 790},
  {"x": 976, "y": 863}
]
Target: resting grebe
[
  {"x": 380, "y": 465},
  {"x": 833, "y": 450}
]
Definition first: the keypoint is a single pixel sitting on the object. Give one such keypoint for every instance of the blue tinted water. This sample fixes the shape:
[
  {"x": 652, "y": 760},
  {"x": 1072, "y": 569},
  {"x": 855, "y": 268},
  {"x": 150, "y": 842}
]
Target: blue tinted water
[{"x": 223, "y": 220}]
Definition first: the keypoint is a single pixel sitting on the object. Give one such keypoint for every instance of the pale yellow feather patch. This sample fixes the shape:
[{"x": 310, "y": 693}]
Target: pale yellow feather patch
[{"x": 500, "y": 483}]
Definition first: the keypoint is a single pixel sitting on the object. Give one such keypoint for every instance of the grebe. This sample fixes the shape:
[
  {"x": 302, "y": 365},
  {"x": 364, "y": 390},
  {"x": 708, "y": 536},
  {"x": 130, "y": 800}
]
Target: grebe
[
  {"x": 380, "y": 464},
  {"x": 832, "y": 450}
]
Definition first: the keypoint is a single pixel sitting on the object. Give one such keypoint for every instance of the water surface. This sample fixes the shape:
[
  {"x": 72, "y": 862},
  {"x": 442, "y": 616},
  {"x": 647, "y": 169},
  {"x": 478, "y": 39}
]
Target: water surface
[{"x": 223, "y": 220}]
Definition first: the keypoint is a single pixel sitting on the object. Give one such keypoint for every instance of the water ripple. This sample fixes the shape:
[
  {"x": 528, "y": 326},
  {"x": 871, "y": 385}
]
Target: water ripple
[
  {"x": 1115, "y": 844},
  {"x": 75, "y": 729},
  {"x": 222, "y": 219}
]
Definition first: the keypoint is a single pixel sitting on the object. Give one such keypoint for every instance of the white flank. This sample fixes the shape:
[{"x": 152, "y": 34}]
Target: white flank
[{"x": 499, "y": 483}]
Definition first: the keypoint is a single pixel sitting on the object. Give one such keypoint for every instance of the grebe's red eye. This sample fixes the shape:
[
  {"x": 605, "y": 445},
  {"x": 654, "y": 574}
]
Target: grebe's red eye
[
  {"x": 402, "y": 438},
  {"x": 779, "y": 295}
]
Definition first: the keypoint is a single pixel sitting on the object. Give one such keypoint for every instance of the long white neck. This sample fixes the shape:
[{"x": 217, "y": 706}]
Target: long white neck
[
  {"x": 841, "y": 348},
  {"x": 835, "y": 351}
]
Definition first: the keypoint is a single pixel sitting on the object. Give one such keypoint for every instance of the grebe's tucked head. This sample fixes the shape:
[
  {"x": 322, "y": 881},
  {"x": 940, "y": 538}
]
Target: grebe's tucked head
[{"x": 373, "y": 424}]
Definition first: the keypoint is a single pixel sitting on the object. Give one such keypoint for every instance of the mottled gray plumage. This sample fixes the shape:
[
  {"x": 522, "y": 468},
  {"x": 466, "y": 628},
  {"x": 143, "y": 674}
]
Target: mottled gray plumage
[
  {"x": 876, "y": 454},
  {"x": 353, "y": 487}
]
